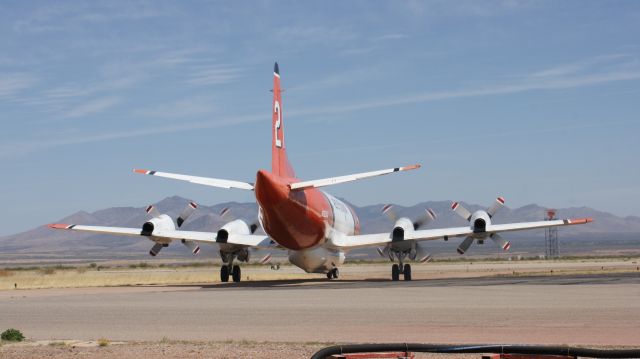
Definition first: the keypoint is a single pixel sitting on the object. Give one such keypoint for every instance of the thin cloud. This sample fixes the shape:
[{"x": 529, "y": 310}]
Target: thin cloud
[
  {"x": 26, "y": 147},
  {"x": 214, "y": 75},
  {"x": 10, "y": 84},
  {"x": 525, "y": 84},
  {"x": 577, "y": 67},
  {"x": 503, "y": 89},
  {"x": 391, "y": 37},
  {"x": 92, "y": 107},
  {"x": 180, "y": 109}
]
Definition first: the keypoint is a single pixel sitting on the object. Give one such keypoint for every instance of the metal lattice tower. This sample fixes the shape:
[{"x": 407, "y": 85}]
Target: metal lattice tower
[{"x": 551, "y": 237}]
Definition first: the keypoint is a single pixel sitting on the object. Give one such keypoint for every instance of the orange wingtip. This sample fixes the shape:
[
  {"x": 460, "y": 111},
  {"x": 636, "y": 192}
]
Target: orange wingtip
[
  {"x": 412, "y": 167},
  {"x": 144, "y": 172},
  {"x": 581, "y": 220},
  {"x": 58, "y": 225}
]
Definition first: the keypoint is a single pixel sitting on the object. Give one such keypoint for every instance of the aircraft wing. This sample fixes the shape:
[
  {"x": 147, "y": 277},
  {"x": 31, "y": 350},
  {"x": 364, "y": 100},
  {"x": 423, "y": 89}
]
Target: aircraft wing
[
  {"x": 213, "y": 182},
  {"x": 348, "y": 178},
  {"x": 378, "y": 239},
  {"x": 248, "y": 240}
]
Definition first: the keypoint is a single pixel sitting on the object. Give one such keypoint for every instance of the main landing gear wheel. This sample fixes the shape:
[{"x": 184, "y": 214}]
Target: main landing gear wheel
[
  {"x": 407, "y": 272},
  {"x": 224, "y": 273},
  {"x": 333, "y": 274},
  {"x": 236, "y": 274},
  {"x": 395, "y": 272}
]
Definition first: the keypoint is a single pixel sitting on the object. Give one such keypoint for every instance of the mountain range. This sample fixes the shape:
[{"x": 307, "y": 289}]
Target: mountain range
[{"x": 607, "y": 233}]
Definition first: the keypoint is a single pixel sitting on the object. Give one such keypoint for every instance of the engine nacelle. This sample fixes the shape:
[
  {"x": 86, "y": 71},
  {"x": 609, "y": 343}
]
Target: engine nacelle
[
  {"x": 162, "y": 222},
  {"x": 234, "y": 227},
  {"x": 480, "y": 220},
  {"x": 403, "y": 225}
]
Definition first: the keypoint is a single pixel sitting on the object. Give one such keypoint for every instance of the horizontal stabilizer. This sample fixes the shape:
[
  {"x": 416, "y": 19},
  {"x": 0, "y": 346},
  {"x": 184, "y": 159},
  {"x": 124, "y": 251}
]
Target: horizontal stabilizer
[
  {"x": 213, "y": 182},
  {"x": 348, "y": 178}
]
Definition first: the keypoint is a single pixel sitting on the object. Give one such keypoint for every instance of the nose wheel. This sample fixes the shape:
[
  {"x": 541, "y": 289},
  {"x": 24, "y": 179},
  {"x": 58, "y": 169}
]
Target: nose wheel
[{"x": 333, "y": 274}]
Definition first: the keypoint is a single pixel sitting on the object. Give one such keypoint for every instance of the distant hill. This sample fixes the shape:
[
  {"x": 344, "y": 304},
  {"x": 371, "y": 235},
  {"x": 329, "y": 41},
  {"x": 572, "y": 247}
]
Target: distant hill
[{"x": 607, "y": 233}]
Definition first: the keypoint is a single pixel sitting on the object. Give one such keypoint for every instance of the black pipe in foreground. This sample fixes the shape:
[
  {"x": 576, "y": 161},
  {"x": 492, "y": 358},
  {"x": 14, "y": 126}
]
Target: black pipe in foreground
[{"x": 478, "y": 348}]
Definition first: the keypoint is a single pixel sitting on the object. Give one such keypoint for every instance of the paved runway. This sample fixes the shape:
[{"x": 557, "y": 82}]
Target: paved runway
[{"x": 596, "y": 310}]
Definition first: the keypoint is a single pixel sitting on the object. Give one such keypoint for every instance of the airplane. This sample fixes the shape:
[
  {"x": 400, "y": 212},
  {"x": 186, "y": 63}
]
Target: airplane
[{"x": 316, "y": 229}]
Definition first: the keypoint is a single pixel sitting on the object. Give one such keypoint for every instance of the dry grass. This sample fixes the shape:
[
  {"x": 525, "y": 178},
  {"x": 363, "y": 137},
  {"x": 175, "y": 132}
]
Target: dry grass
[
  {"x": 73, "y": 278},
  {"x": 103, "y": 342},
  {"x": 137, "y": 274}
]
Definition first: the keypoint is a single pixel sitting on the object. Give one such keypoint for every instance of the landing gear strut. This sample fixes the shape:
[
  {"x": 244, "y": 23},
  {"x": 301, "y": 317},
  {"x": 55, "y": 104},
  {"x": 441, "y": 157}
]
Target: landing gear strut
[
  {"x": 400, "y": 268},
  {"x": 333, "y": 274}
]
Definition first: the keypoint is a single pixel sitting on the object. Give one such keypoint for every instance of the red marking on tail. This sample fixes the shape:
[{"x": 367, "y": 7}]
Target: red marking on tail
[
  {"x": 58, "y": 226},
  {"x": 280, "y": 165}
]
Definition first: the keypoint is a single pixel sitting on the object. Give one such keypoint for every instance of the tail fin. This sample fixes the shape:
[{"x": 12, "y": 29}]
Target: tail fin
[{"x": 279, "y": 162}]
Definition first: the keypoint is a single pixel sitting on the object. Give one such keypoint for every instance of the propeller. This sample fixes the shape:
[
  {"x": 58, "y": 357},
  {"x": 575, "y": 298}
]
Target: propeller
[
  {"x": 156, "y": 249},
  {"x": 152, "y": 211},
  {"x": 265, "y": 259},
  {"x": 418, "y": 253},
  {"x": 161, "y": 219},
  {"x": 252, "y": 226},
  {"x": 425, "y": 219},
  {"x": 186, "y": 212},
  {"x": 225, "y": 215},
  {"x": 479, "y": 221}
]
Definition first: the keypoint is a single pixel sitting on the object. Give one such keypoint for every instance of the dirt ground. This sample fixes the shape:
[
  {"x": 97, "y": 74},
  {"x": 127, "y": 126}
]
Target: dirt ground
[
  {"x": 580, "y": 302},
  {"x": 177, "y": 350}
]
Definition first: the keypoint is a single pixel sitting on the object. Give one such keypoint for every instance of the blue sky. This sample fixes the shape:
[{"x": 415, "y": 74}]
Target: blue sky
[{"x": 537, "y": 101}]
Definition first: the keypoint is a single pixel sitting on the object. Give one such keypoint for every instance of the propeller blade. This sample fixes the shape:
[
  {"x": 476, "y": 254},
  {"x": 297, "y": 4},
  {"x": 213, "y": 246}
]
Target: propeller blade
[
  {"x": 501, "y": 242},
  {"x": 224, "y": 212},
  {"x": 465, "y": 245},
  {"x": 388, "y": 210},
  {"x": 253, "y": 227},
  {"x": 380, "y": 252},
  {"x": 266, "y": 259},
  {"x": 499, "y": 203},
  {"x": 421, "y": 254},
  {"x": 193, "y": 247},
  {"x": 461, "y": 211},
  {"x": 152, "y": 211},
  {"x": 428, "y": 217},
  {"x": 156, "y": 249},
  {"x": 186, "y": 212}
]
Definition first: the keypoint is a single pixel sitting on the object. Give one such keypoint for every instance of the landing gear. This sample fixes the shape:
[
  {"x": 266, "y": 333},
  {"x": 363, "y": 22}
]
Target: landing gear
[
  {"x": 229, "y": 269},
  {"x": 224, "y": 273},
  {"x": 236, "y": 273},
  {"x": 407, "y": 271},
  {"x": 395, "y": 272},
  {"x": 333, "y": 274},
  {"x": 400, "y": 268}
]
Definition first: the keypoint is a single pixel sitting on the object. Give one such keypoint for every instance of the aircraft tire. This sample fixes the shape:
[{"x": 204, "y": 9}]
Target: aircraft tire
[
  {"x": 224, "y": 273},
  {"x": 335, "y": 273},
  {"x": 395, "y": 272},
  {"x": 236, "y": 274},
  {"x": 407, "y": 272}
]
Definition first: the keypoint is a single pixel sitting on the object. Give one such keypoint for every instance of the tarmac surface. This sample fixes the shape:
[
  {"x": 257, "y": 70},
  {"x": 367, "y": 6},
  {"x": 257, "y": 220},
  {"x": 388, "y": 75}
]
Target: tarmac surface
[{"x": 601, "y": 309}]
